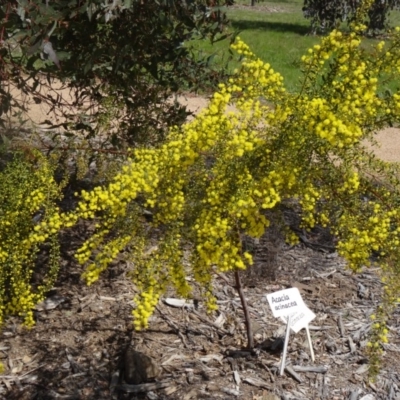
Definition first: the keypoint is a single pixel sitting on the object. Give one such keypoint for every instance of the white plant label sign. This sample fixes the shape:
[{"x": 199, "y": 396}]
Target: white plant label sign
[
  {"x": 286, "y": 302},
  {"x": 289, "y": 306},
  {"x": 300, "y": 319}
]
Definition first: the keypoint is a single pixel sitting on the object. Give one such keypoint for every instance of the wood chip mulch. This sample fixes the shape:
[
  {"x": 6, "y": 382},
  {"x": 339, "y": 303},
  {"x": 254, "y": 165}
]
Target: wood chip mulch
[{"x": 83, "y": 343}]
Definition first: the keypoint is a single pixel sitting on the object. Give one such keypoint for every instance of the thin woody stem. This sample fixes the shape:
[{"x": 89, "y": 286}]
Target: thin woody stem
[{"x": 249, "y": 331}]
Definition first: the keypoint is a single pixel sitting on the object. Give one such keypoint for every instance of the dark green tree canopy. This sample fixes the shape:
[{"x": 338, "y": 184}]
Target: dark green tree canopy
[
  {"x": 133, "y": 53},
  {"x": 326, "y": 14}
]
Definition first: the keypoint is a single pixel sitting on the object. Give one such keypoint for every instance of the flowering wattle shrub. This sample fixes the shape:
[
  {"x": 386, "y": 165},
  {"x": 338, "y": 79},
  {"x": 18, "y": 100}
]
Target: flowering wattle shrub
[{"x": 215, "y": 177}]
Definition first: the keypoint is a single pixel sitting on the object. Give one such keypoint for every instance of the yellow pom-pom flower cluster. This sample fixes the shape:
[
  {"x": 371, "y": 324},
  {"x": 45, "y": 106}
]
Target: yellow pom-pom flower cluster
[
  {"x": 146, "y": 302},
  {"x": 379, "y": 336},
  {"x": 28, "y": 217}
]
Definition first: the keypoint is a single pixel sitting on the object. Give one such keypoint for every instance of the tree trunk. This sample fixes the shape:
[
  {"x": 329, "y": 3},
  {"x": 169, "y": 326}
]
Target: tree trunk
[{"x": 249, "y": 331}]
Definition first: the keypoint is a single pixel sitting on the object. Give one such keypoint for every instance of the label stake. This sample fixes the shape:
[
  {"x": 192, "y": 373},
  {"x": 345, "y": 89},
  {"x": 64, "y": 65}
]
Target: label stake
[
  {"x": 310, "y": 343},
  {"x": 285, "y": 346}
]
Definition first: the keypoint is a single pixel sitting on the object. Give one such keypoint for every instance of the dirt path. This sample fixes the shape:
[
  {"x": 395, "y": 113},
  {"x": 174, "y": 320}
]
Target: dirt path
[{"x": 388, "y": 139}]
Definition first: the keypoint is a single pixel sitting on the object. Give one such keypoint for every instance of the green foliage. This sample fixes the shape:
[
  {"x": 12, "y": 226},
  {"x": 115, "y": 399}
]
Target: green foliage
[
  {"x": 325, "y": 15},
  {"x": 125, "y": 56},
  {"x": 28, "y": 194}
]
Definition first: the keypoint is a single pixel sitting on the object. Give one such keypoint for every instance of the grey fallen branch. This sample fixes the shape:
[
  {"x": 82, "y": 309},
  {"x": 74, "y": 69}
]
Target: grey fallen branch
[
  {"x": 354, "y": 394},
  {"x": 20, "y": 377},
  {"x": 352, "y": 346},
  {"x": 319, "y": 328},
  {"x": 179, "y": 303},
  {"x": 257, "y": 382},
  {"x": 231, "y": 392},
  {"x": 293, "y": 373},
  {"x": 145, "y": 387},
  {"x": 318, "y": 370},
  {"x": 340, "y": 325},
  {"x": 50, "y": 303}
]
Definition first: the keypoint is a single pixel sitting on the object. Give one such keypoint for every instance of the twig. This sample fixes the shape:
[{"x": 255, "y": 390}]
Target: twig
[
  {"x": 268, "y": 370},
  {"x": 238, "y": 353},
  {"x": 340, "y": 325},
  {"x": 319, "y": 370},
  {"x": 85, "y": 148},
  {"x": 207, "y": 321},
  {"x": 144, "y": 387},
  {"x": 312, "y": 245},
  {"x": 14, "y": 377}
]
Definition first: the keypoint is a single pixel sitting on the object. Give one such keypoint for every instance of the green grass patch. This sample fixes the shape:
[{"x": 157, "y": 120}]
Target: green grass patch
[
  {"x": 276, "y": 31},
  {"x": 279, "y": 38}
]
